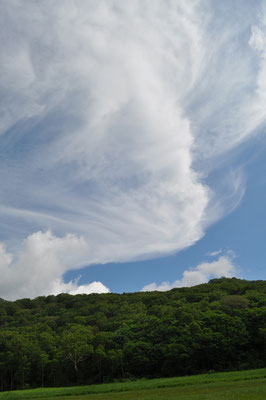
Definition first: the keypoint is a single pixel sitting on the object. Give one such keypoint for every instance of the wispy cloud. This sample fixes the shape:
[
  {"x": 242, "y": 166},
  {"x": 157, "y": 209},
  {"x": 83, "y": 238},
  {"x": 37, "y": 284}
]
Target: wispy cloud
[
  {"x": 113, "y": 113},
  {"x": 214, "y": 253}
]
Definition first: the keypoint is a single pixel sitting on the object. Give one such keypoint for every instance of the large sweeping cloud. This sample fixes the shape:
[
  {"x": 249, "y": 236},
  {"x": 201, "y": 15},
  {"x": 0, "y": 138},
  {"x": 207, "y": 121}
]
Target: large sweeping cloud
[{"x": 113, "y": 113}]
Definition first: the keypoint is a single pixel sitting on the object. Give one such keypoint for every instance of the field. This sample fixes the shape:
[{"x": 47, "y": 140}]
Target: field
[{"x": 244, "y": 385}]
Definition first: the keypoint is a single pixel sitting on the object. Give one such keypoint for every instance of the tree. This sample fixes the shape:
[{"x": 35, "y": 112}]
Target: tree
[
  {"x": 76, "y": 344},
  {"x": 16, "y": 349}
]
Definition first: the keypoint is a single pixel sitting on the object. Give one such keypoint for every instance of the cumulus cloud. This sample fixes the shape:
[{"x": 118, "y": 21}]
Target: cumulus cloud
[
  {"x": 202, "y": 273},
  {"x": 112, "y": 115},
  {"x": 40, "y": 264},
  {"x": 73, "y": 287}
]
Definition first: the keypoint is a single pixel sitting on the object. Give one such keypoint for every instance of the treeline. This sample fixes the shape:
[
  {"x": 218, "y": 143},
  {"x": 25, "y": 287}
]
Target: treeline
[{"x": 64, "y": 340}]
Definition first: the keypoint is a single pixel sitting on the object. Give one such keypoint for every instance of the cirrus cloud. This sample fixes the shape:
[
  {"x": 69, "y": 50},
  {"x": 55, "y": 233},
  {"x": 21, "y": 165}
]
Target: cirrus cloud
[{"x": 112, "y": 115}]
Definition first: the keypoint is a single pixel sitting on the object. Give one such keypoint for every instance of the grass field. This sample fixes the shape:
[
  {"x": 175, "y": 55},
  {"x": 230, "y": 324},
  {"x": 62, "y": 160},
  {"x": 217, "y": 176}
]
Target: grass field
[{"x": 244, "y": 385}]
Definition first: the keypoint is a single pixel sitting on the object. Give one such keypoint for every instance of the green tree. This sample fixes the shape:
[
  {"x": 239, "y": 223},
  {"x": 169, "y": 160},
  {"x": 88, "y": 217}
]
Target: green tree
[{"x": 76, "y": 344}]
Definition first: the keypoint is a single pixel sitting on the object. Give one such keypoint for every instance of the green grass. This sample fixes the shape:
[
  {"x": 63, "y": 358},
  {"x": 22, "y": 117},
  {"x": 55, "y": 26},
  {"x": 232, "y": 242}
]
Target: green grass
[{"x": 244, "y": 385}]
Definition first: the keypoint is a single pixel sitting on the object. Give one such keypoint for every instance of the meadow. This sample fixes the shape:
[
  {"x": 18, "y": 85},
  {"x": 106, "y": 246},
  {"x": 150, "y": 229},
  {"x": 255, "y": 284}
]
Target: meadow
[{"x": 239, "y": 385}]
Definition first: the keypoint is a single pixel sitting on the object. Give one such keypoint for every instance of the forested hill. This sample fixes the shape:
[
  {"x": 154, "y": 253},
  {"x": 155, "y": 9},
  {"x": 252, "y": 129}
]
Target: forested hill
[{"x": 65, "y": 339}]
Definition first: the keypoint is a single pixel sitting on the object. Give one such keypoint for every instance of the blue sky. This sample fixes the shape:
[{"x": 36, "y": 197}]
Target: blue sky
[{"x": 132, "y": 144}]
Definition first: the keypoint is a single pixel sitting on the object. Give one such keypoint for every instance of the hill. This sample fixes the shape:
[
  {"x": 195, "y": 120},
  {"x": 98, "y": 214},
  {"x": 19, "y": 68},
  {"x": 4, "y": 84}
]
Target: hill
[{"x": 64, "y": 340}]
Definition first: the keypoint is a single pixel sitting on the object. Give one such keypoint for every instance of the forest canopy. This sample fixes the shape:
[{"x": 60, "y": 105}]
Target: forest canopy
[{"x": 82, "y": 339}]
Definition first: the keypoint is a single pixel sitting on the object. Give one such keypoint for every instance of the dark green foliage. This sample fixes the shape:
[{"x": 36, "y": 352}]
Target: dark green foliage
[{"x": 65, "y": 340}]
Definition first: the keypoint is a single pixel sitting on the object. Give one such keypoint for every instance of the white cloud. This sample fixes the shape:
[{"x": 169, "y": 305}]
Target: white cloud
[
  {"x": 202, "y": 273},
  {"x": 214, "y": 253},
  {"x": 110, "y": 113},
  {"x": 40, "y": 265},
  {"x": 107, "y": 152},
  {"x": 73, "y": 287}
]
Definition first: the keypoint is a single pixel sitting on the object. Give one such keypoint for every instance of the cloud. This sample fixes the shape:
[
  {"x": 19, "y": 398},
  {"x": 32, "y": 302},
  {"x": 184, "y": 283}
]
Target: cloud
[
  {"x": 95, "y": 139},
  {"x": 40, "y": 264},
  {"x": 228, "y": 253},
  {"x": 114, "y": 114},
  {"x": 73, "y": 287},
  {"x": 202, "y": 273},
  {"x": 214, "y": 253}
]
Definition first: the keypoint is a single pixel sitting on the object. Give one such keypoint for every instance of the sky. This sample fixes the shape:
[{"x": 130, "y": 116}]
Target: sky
[{"x": 132, "y": 144}]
